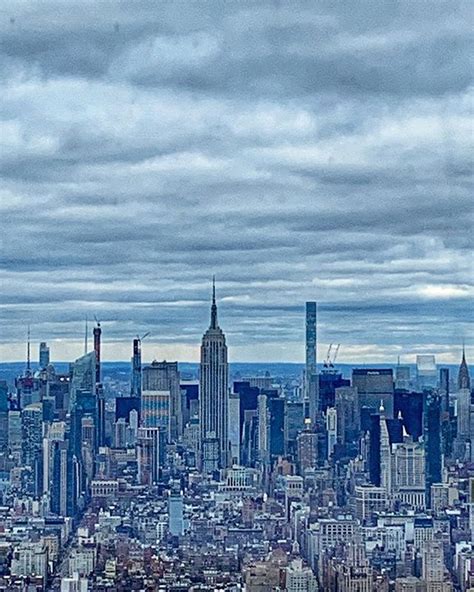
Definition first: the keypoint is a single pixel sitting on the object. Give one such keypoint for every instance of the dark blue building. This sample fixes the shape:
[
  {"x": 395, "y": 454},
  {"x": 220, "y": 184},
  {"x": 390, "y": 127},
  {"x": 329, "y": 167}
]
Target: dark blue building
[
  {"x": 432, "y": 438},
  {"x": 410, "y": 405},
  {"x": 123, "y": 406},
  {"x": 329, "y": 381},
  {"x": 276, "y": 409}
]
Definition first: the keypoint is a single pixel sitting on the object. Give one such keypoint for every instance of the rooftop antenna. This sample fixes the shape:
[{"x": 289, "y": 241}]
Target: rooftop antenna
[
  {"x": 86, "y": 335},
  {"x": 28, "y": 352}
]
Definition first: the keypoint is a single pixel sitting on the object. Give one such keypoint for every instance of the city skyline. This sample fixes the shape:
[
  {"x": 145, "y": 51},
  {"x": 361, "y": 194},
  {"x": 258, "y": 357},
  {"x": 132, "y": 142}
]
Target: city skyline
[
  {"x": 236, "y": 338},
  {"x": 298, "y": 155}
]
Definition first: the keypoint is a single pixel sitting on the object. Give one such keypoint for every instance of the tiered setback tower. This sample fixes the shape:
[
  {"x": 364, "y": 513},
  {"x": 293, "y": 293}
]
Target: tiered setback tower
[{"x": 213, "y": 394}]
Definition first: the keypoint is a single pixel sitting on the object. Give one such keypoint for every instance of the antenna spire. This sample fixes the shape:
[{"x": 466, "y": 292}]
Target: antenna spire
[
  {"x": 86, "y": 335},
  {"x": 214, "y": 305},
  {"x": 28, "y": 351}
]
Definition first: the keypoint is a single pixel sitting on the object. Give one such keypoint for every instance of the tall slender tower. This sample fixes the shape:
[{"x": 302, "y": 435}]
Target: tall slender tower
[
  {"x": 136, "y": 390},
  {"x": 97, "y": 332},
  {"x": 311, "y": 375},
  {"x": 213, "y": 396},
  {"x": 100, "y": 427}
]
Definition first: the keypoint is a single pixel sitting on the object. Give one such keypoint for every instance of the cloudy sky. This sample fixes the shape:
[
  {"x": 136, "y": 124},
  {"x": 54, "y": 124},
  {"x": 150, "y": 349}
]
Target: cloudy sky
[{"x": 297, "y": 150}]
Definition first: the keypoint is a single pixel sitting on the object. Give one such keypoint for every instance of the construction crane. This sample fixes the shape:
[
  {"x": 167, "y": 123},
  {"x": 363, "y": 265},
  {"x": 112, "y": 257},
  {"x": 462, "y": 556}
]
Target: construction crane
[
  {"x": 327, "y": 361},
  {"x": 140, "y": 339},
  {"x": 335, "y": 355}
]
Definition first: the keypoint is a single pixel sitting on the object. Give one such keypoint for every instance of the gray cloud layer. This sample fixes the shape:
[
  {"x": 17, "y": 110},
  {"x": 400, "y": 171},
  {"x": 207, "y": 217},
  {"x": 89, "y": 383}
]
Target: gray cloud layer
[{"x": 297, "y": 150}]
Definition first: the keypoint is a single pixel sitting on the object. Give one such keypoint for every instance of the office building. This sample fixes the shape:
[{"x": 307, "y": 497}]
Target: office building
[
  {"x": 43, "y": 355},
  {"x": 32, "y": 443},
  {"x": 331, "y": 430},
  {"x": 65, "y": 476},
  {"x": 247, "y": 418},
  {"x": 329, "y": 380},
  {"x": 74, "y": 583},
  {"x": 82, "y": 394},
  {"x": 4, "y": 407},
  {"x": 155, "y": 409},
  {"x": 276, "y": 418},
  {"x": 432, "y": 439},
  {"x": 348, "y": 416},
  {"x": 433, "y": 561},
  {"x": 300, "y": 578},
  {"x": 175, "y": 514},
  {"x": 152, "y": 441},
  {"x": 444, "y": 387},
  {"x": 14, "y": 435},
  {"x": 30, "y": 559},
  {"x": 409, "y": 406},
  {"x": 234, "y": 429},
  {"x": 402, "y": 377},
  {"x": 408, "y": 473},
  {"x": 426, "y": 371},
  {"x": 370, "y": 500},
  {"x": 164, "y": 376},
  {"x": 263, "y": 430},
  {"x": 213, "y": 393},
  {"x": 307, "y": 448},
  {"x": 373, "y": 386},
  {"x": 294, "y": 424}
]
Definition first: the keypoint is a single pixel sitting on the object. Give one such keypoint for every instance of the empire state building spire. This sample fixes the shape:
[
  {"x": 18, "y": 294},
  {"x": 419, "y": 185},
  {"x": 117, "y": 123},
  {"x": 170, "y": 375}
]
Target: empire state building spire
[{"x": 214, "y": 324}]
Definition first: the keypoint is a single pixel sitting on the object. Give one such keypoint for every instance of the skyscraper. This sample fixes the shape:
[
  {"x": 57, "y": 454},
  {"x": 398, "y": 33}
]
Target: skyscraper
[
  {"x": 311, "y": 381},
  {"x": 136, "y": 382},
  {"x": 464, "y": 380},
  {"x": 4, "y": 405},
  {"x": 100, "y": 420},
  {"x": 43, "y": 355},
  {"x": 213, "y": 405},
  {"x": 175, "y": 514},
  {"x": 164, "y": 376},
  {"x": 155, "y": 412},
  {"x": 374, "y": 385},
  {"x": 32, "y": 442},
  {"x": 432, "y": 438}
]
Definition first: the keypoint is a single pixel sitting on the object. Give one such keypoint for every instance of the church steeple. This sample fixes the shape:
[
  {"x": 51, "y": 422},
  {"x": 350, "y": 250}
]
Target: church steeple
[
  {"x": 214, "y": 324},
  {"x": 464, "y": 380}
]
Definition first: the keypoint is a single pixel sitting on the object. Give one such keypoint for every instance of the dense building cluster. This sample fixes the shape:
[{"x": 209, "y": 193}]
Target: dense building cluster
[{"x": 164, "y": 481}]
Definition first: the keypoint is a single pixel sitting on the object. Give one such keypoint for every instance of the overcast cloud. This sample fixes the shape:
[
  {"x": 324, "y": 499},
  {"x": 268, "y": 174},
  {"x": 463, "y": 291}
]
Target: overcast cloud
[{"x": 297, "y": 150}]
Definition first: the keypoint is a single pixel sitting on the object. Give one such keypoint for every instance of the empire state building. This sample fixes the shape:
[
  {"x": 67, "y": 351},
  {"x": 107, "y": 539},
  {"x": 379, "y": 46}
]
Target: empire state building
[{"x": 213, "y": 396}]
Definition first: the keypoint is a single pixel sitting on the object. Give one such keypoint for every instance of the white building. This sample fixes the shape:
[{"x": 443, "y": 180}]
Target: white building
[
  {"x": 74, "y": 583},
  {"x": 369, "y": 500},
  {"x": 82, "y": 560},
  {"x": 30, "y": 559},
  {"x": 300, "y": 578}
]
